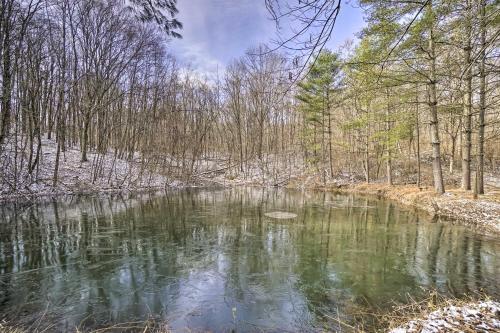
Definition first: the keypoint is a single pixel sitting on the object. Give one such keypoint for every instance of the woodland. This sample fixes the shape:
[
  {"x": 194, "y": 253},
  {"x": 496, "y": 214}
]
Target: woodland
[
  {"x": 94, "y": 101},
  {"x": 414, "y": 101}
]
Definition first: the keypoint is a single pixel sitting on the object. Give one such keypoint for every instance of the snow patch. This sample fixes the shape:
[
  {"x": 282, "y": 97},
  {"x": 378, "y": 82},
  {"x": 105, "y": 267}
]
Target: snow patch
[{"x": 474, "y": 317}]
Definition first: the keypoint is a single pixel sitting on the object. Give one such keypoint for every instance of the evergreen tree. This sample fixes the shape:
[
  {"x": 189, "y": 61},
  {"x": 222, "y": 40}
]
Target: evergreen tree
[{"x": 316, "y": 97}]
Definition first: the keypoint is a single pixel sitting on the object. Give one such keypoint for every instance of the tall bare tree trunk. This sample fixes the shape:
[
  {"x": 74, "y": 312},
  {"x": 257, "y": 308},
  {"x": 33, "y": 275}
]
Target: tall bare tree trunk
[
  {"x": 330, "y": 147},
  {"x": 6, "y": 73},
  {"x": 467, "y": 103},
  {"x": 388, "y": 145},
  {"x": 417, "y": 125},
  {"x": 367, "y": 155},
  {"x": 482, "y": 102},
  {"x": 437, "y": 171}
]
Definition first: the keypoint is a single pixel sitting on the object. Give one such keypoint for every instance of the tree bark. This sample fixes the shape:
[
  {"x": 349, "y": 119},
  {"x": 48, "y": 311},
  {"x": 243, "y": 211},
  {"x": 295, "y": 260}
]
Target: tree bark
[
  {"x": 467, "y": 104},
  {"x": 388, "y": 145},
  {"x": 417, "y": 125},
  {"x": 482, "y": 103},
  {"x": 7, "y": 73},
  {"x": 437, "y": 171}
]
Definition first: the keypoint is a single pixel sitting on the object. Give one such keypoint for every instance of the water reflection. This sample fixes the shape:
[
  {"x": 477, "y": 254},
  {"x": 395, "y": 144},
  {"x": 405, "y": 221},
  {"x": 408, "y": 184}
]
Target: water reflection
[{"x": 211, "y": 260}]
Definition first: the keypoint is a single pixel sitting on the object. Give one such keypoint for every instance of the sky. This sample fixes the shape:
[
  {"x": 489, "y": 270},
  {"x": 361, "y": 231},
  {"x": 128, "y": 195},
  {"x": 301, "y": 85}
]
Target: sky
[{"x": 217, "y": 31}]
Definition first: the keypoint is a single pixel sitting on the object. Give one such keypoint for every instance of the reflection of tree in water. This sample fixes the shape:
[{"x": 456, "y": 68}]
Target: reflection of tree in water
[
  {"x": 376, "y": 257},
  {"x": 191, "y": 256}
]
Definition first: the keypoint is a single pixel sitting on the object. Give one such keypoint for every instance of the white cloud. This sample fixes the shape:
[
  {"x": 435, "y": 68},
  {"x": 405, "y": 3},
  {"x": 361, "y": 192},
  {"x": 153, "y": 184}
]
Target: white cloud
[{"x": 218, "y": 31}]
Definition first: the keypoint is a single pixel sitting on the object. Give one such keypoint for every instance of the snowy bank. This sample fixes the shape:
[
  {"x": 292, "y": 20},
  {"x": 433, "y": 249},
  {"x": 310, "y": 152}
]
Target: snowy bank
[
  {"x": 456, "y": 205},
  {"x": 472, "y": 317},
  {"x": 100, "y": 174}
]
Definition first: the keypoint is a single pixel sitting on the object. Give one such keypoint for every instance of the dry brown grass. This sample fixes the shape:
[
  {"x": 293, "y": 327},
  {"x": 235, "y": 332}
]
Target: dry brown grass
[
  {"x": 148, "y": 326},
  {"x": 403, "y": 313},
  {"x": 400, "y": 314},
  {"x": 5, "y": 328},
  {"x": 380, "y": 320},
  {"x": 482, "y": 213},
  {"x": 413, "y": 192}
]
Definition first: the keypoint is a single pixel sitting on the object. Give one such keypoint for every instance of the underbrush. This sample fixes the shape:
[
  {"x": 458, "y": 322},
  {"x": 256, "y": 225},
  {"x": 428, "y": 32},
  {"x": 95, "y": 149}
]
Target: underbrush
[
  {"x": 435, "y": 311},
  {"x": 471, "y": 313},
  {"x": 147, "y": 326},
  {"x": 455, "y": 205}
]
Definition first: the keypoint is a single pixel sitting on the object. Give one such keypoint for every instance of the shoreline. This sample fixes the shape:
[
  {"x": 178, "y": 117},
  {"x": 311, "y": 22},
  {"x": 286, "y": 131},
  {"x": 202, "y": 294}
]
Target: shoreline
[
  {"x": 455, "y": 206},
  {"x": 450, "y": 316},
  {"x": 23, "y": 197}
]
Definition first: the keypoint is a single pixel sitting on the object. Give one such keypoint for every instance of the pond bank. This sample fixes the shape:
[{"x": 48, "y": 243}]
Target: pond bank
[
  {"x": 101, "y": 173},
  {"x": 31, "y": 197},
  {"x": 478, "y": 316},
  {"x": 449, "y": 316},
  {"x": 456, "y": 205},
  {"x": 483, "y": 214}
]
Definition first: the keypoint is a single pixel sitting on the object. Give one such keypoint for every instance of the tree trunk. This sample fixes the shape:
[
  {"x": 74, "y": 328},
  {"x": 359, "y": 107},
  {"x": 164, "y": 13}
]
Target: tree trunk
[
  {"x": 330, "y": 148},
  {"x": 388, "y": 144},
  {"x": 85, "y": 139},
  {"x": 467, "y": 103},
  {"x": 367, "y": 159},
  {"x": 7, "y": 74},
  {"x": 482, "y": 103},
  {"x": 452, "y": 155},
  {"x": 417, "y": 125},
  {"x": 437, "y": 171}
]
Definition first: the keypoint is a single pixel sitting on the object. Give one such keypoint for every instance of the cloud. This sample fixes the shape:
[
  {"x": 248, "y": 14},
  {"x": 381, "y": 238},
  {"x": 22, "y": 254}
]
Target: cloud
[
  {"x": 218, "y": 31},
  {"x": 198, "y": 60}
]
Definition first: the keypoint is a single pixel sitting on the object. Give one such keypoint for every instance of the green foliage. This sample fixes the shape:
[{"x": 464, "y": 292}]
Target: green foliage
[
  {"x": 315, "y": 97},
  {"x": 359, "y": 122},
  {"x": 315, "y": 89},
  {"x": 159, "y": 12},
  {"x": 399, "y": 131}
]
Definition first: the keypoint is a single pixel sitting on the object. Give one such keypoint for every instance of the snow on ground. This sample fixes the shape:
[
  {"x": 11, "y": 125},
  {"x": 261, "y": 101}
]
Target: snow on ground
[
  {"x": 280, "y": 171},
  {"x": 473, "y": 317},
  {"x": 271, "y": 170},
  {"x": 73, "y": 176},
  {"x": 277, "y": 171},
  {"x": 486, "y": 213},
  {"x": 483, "y": 213}
]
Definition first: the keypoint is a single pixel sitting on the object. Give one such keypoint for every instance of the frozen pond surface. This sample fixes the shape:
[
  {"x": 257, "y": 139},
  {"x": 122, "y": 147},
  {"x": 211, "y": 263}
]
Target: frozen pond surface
[{"x": 212, "y": 260}]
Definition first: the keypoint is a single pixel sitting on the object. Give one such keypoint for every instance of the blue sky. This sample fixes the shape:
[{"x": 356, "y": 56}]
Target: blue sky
[{"x": 218, "y": 31}]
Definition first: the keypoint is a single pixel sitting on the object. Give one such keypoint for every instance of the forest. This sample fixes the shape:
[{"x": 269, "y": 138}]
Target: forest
[
  {"x": 309, "y": 183},
  {"x": 416, "y": 101}
]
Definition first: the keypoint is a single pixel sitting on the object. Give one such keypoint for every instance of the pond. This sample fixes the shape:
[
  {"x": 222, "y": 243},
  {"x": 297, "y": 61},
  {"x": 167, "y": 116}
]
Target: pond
[{"x": 216, "y": 260}]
